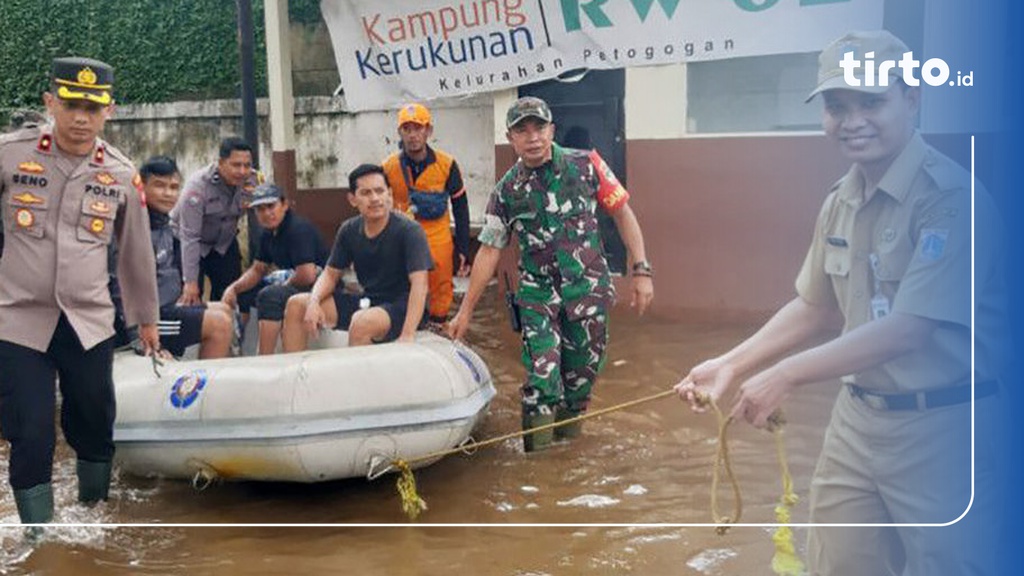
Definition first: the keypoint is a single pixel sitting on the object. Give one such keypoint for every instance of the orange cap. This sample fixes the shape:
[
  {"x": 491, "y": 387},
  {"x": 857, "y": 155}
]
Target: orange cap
[{"x": 414, "y": 112}]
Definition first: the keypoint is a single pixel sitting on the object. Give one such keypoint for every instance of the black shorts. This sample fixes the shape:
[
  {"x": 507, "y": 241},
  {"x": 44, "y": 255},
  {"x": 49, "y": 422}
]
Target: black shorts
[
  {"x": 269, "y": 299},
  {"x": 181, "y": 327},
  {"x": 348, "y": 305}
]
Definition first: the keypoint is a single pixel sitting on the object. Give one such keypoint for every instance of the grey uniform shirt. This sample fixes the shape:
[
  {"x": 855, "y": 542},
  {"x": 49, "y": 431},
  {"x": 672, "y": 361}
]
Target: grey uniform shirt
[
  {"x": 206, "y": 216},
  {"x": 60, "y": 213}
]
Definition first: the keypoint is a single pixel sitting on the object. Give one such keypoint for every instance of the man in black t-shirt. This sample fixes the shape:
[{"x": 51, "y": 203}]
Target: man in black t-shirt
[
  {"x": 391, "y": 258},
  {"x": 290, "y": 255}
]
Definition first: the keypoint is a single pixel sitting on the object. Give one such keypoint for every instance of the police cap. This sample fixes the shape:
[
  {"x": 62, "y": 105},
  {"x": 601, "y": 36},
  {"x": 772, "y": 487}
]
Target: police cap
[{"x": 83, "y": 79}]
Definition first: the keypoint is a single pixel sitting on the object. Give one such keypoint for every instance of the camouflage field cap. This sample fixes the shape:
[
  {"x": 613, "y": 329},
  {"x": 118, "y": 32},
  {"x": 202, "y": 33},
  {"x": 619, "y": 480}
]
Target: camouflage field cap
[
  {"x": 882, "y": 46},
  {"x": 527, "y": 107},
  {"x": 83, "y": 79}
]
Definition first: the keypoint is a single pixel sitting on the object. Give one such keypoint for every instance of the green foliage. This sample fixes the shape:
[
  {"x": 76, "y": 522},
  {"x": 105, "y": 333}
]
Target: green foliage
[
  {"x": 304, "y": 11},
  {"x": 161, "y": 50}
]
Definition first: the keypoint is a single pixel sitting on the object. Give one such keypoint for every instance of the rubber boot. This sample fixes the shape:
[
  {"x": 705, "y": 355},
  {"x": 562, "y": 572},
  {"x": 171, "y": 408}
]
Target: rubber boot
[
  {"x": 35, "y": 506},
  {"x": 567, "y": 431},
  {"x": 538, "y": 440},
  {"x": 93, "y": 481}
]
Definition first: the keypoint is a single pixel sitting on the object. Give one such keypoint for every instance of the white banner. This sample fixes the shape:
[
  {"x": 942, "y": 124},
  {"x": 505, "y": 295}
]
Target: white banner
[{"x": 390, "y": 52}]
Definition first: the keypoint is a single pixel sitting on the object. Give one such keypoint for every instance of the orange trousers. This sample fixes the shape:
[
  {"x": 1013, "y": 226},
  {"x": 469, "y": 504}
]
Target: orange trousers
[{"x": 442, "y": 249}]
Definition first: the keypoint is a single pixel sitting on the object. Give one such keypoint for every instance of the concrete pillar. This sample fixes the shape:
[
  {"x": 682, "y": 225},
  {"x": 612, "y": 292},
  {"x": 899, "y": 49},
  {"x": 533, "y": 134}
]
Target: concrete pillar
[{"x": 279, "y": 88}]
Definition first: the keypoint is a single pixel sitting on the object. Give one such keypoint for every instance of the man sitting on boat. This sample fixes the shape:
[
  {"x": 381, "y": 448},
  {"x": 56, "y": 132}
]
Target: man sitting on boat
[
  {"x": 290, "y": 256},
  {"x": 391, "y": 258},
  {"x": 180, "y": 326}
]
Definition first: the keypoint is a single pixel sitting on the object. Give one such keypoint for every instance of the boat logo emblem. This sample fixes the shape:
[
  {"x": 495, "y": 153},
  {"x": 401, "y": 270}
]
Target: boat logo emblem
[
  {"x": 187, "y": 387},
  {"x": 477, "y": 377}
]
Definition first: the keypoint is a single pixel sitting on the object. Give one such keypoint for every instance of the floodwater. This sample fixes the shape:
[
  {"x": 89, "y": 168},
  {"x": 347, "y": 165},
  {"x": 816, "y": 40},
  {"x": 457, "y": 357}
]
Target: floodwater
[{"x": 649, "y": 464}]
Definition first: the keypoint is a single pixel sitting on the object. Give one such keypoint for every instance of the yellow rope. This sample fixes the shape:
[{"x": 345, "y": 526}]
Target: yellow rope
[
  {"x": 785, "y": 562},
  {"x": 412, "y": 504},
  {"x": 722, "y": 461}
]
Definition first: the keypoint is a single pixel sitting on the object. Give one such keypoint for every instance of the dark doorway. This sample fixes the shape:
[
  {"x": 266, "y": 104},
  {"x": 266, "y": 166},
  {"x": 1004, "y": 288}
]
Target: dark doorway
[{"x": 589, "y": 113}]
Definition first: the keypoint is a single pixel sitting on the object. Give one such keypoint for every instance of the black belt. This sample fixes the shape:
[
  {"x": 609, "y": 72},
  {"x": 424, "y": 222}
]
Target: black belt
[{"x": 924, "y": 400}]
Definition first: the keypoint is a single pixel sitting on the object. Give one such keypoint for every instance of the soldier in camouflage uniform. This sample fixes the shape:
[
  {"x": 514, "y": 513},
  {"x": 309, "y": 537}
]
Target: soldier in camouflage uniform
[{"x": 549, "y": 199}]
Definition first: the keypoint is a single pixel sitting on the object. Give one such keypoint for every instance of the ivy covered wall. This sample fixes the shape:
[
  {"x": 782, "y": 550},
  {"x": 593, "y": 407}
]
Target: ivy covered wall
[{"x": 162, "y": 50}]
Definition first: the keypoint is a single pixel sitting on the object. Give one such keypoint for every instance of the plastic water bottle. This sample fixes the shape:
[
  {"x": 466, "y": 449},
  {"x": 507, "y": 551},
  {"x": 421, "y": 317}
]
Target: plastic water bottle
[{"x": 278, "y": 277}]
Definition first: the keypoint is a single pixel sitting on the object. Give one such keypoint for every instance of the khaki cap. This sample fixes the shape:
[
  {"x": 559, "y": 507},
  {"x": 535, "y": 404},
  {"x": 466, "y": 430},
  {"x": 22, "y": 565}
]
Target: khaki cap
[{"x": 883, "y": 44}]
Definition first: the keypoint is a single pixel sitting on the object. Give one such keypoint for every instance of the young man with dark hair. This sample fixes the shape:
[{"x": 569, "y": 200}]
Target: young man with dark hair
[
  {"x": 290, "y": 256},
  {"x": 205, "y": 220},
  {"x": 391, "y": 258},
  {"x": 180, "y": 326}
]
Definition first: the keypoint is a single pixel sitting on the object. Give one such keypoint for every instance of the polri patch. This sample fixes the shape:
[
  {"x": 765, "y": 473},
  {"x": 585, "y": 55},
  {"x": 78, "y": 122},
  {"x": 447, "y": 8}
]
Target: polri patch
[
  {"x": 932, "y": 243},
  {"x": 24, "y": 218}
]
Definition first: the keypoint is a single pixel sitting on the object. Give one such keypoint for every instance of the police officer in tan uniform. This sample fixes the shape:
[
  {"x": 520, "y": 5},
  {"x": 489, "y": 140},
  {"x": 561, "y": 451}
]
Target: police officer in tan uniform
[
  {"x": 891, "y": 255},
  {"x": 66, "y": 195},
  {"x": 206, "y": 220}
]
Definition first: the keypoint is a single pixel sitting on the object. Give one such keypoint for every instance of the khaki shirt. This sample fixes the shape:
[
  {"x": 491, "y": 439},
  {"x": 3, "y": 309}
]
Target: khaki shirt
[
  {"x": 916, "y": 227},
  {"x": 59, "y": 216},
  {"x": 206, "y": 216}
]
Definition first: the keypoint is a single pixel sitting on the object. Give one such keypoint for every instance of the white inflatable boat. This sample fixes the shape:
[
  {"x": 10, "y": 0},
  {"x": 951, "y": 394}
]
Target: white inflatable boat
[{"x": 326, "y": 414}]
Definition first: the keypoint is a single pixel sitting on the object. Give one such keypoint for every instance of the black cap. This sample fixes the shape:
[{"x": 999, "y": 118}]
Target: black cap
[
  {"x": 83, "y": 79},
  {"x": 266, "y": 194}
]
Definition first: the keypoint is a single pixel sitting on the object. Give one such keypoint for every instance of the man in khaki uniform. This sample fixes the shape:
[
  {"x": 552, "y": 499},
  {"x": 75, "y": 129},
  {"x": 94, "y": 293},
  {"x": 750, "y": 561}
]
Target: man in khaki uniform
[
  {"x": 891, "y": 254},
  {"x": 66, "y": 195}
]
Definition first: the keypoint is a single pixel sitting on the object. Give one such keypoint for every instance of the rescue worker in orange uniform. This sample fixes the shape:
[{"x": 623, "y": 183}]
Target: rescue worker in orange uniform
[{"x": 423, "y": 181}]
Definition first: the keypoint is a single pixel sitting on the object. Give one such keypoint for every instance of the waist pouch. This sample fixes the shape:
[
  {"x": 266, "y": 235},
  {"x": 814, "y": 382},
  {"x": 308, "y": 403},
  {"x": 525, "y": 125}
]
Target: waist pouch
[{"x": 428, "y": 205}]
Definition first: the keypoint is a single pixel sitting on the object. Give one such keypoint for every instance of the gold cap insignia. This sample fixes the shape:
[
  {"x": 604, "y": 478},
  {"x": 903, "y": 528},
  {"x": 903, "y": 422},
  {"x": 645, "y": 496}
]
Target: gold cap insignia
[
  {"x": 27, "y": 198},
  {"x": 97, "y": 225},
  {"x": 86, "y": 76},
  {"x": 31, "y": 167},
  {"x": 24, "y": 217}
]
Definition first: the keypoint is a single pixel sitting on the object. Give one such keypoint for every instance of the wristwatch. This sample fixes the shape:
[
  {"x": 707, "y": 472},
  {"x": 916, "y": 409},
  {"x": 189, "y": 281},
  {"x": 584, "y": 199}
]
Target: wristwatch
[{"x": 643, "y": 268}]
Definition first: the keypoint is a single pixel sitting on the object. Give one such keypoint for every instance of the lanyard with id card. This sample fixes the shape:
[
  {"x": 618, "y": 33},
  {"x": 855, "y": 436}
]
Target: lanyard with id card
[{"x": 879, "y": 302}]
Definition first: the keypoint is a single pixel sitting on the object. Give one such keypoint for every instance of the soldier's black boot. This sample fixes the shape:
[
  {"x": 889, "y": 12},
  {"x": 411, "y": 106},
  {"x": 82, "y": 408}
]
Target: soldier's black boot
[
  {"x": 93, "y": 481},
  {"x": 538, "y": 440},
  {"x": 567, "y": 431},
  {"x": 35, "y": 506}
]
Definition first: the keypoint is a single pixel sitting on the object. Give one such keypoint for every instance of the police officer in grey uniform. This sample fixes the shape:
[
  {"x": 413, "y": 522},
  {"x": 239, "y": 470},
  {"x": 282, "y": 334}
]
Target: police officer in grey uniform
[
  {"x": 66, "y": 195},
  {"x": 206, "y": 220}
]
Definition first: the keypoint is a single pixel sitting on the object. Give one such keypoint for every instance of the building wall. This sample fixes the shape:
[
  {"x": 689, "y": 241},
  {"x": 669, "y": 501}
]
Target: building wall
[{"x": 329, "y": 141}]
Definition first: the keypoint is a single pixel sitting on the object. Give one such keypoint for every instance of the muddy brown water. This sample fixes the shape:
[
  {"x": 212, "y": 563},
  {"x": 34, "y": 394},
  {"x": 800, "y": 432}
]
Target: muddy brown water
[{"x": 641, "y": 468}]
